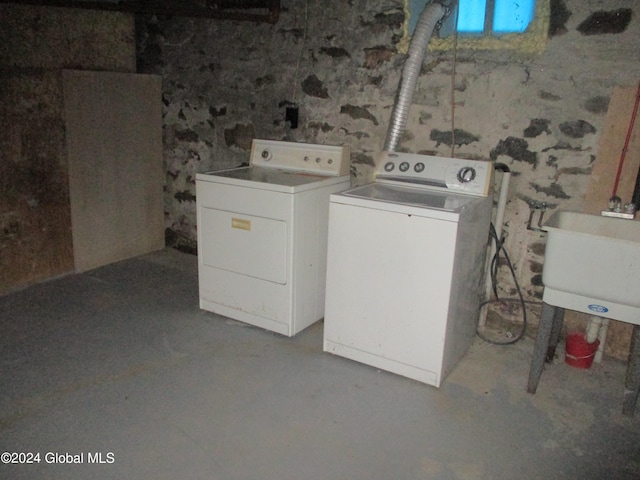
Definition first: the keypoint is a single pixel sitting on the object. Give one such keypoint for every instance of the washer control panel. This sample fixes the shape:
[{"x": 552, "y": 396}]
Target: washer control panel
[
  {"x": 304, "y": 157},
  {"x": 472, "y": 177}
]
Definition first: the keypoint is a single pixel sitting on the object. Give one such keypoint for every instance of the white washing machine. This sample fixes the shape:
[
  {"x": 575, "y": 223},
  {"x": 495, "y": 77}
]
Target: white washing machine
[
  {"x": 262, "y": 234},
  {"x": 405, "y": 265}
]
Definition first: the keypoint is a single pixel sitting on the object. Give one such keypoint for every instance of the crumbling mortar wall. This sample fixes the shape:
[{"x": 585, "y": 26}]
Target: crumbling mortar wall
[{"x": 540, "y": 114}]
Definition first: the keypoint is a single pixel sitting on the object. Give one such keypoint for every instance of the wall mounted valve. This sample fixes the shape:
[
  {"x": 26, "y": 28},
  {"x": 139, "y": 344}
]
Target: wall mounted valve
[
  {"x": 616, "y": 209},
  {"x": 539, "y": 208}
]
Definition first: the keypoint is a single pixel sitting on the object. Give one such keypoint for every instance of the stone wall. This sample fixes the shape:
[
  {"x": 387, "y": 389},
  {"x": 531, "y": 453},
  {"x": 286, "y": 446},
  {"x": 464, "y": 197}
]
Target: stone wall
[
  {"x": 541, "y": 114},
  {"x": 540, "y": 111}
]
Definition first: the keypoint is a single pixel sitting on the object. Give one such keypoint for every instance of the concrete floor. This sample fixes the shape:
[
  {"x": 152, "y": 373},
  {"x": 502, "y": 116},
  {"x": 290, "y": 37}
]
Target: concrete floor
[{"x": 120, "y": 361}]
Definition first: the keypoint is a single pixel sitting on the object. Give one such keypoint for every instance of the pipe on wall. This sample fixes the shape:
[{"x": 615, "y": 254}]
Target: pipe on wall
[
  {"x": 635, "y": 199},
  {"x": 625, "y": 149},
  {"x": 499, "y": 222},
  {"x": 429, "y": 18}
]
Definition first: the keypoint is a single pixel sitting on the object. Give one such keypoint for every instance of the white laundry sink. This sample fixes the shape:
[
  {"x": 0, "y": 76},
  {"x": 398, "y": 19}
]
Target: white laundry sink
[{"x": 592, "y": 265}]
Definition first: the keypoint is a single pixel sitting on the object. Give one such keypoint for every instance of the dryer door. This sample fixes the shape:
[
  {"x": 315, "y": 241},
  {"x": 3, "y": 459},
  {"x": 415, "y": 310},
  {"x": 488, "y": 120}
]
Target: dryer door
[{"x": 245, "y": 244}]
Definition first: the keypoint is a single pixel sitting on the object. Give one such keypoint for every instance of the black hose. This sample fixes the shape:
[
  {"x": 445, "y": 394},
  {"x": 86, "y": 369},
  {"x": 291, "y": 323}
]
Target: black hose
[{"x": 494, "y": 272}]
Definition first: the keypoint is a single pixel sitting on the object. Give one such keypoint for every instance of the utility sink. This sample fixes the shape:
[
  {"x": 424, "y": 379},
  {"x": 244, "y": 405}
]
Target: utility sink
[{"x": 592, "y": 265}]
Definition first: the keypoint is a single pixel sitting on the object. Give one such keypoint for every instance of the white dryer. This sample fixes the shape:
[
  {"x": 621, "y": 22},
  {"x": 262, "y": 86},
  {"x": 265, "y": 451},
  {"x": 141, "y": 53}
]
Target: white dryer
[
  {"x": 405, "y": 264},
  {"x": 262, "y": 234}
]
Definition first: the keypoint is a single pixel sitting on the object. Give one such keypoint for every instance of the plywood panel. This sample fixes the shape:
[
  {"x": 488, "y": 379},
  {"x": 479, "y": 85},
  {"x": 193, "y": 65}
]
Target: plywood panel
[
  {"x": 610, "y": 151},
  {"x": 114, "y": 142}
]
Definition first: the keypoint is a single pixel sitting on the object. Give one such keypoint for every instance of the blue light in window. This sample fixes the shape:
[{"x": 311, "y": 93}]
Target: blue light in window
[
  {"x": 512, "y": 16},
  {"x": 471, "y": 15}
]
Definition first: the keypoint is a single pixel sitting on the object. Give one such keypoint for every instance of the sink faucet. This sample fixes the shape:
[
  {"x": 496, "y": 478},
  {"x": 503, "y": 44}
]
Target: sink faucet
[{"x": 616, "y": 209}]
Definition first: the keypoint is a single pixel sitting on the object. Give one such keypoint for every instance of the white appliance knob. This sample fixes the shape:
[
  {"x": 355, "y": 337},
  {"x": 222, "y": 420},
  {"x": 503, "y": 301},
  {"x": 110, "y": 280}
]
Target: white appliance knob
[
  {"x": 404, "y": 166},
  {"x": 389, "y": 166},
  {"x": 266, "y": 154},
  {"x": 466, "y": 174}
]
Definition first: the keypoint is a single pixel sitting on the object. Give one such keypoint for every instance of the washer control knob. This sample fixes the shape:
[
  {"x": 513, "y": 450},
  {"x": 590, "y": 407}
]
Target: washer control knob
[
  {"x": 389, "y": 166},
  {"x": 266, "y": 154},
  {"x": 466, "y": 174},
  {"x": 404, "y": 166},
  {"x": 419, "y": 167}
]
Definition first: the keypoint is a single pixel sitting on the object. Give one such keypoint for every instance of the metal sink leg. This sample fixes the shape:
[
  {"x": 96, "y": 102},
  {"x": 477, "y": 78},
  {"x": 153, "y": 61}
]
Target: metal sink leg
[
  {"x": 632, "y": 381},
  {"x": 551, "y": 320}
]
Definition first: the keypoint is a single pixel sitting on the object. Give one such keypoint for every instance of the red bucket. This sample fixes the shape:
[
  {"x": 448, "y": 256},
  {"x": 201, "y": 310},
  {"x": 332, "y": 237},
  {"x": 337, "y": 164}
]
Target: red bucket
[{"x": 579, "y": 353}]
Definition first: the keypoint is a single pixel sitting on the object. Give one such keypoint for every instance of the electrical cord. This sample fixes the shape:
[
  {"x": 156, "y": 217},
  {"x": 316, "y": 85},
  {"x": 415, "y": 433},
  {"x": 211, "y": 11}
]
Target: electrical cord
[
  {"x": 304, "y": 40},
  {"x": 454, "y": 62},
  {"x": 494, "y": 272}
]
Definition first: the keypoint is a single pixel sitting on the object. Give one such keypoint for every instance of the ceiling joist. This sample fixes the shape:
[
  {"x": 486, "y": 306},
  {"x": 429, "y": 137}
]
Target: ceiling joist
[{"x": 266, "y": 11}]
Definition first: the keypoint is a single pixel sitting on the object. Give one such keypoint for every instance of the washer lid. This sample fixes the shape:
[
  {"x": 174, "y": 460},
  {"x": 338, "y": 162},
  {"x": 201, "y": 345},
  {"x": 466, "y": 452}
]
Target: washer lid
[{"x": 417, "y": 197}]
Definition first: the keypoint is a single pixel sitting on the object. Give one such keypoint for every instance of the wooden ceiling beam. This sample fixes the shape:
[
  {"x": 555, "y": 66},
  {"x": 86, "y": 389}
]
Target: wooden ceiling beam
[{"x": 240, "y": 10}]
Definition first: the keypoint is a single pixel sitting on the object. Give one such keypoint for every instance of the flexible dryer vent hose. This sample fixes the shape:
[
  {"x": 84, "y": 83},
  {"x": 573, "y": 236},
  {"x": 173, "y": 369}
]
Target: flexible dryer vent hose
[{"x": 428, "y": 20}]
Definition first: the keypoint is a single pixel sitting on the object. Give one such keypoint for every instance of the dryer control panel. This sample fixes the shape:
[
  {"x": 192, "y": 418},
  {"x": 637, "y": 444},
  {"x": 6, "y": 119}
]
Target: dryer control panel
[
  {"x": 304, "y": 157},
  {"x": 459, "y": 175}
]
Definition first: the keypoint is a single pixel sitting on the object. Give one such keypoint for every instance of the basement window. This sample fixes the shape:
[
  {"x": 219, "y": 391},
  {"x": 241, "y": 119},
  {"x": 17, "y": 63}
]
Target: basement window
[
  {"x": 486, "y": 25},
  {"x": 496, "y": 17}
]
